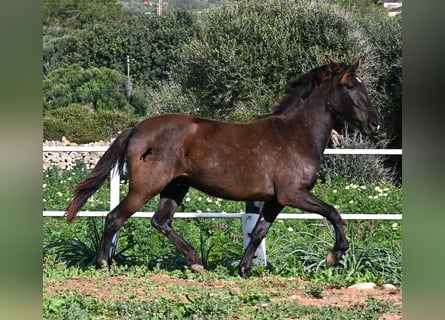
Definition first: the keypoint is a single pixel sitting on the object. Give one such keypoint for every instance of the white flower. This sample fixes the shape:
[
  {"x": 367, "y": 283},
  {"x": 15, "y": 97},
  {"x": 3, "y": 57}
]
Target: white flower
[
  {"x": 290, "y": 229},
  {"x": 187, "y": 199},
  {"x": 44, "y": 185},
  {"x": 351, "y": 202}
]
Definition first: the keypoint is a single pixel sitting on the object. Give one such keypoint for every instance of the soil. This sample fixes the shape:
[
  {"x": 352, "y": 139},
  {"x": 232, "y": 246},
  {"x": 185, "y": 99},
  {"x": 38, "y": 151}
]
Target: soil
[{"x": 144, "y": 288}]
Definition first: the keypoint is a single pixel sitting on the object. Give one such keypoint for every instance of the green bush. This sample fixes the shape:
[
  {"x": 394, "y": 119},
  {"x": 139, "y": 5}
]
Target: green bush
[
  {"x": 169, "y": 97},
  {"x": 245, "y": 52},
  {"x": 101, "y": 88},
  {"x": 80, "y": 124}
]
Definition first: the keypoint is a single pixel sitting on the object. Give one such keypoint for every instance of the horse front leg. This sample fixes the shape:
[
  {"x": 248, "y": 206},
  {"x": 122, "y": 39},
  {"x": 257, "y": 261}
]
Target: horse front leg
[
  {"x": 267, "y": 216},
  {"x": 308, "y": 202}
]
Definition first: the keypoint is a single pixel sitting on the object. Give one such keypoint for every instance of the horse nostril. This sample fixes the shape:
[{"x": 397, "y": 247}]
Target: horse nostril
[{"x": 374, "y": 125}]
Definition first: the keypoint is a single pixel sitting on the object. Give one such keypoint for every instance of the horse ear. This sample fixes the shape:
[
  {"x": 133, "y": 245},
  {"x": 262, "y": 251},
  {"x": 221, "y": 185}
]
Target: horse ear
[
  {"x": 333, "y": 65},
  {"x": 347, "y": 74},
  {"x": 357, "y": 62}
]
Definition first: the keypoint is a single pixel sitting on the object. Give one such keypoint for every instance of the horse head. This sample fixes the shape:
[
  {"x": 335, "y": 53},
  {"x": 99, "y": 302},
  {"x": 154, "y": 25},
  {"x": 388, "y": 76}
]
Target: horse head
[{"x": 349, "y": 98}]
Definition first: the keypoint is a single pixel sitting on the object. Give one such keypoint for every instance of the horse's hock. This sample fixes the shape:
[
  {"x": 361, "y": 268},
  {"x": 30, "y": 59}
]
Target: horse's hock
[{"x": 66, "y": 160}]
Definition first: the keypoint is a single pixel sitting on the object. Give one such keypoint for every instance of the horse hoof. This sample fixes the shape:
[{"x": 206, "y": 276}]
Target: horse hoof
[
  {"x": 330, "y": 259},
  {"x": 197, "y": 267},
  {"x": 333, "y": 258},
  {"x": 245, "y": 273},
  {"x": 102, "y": 264}
]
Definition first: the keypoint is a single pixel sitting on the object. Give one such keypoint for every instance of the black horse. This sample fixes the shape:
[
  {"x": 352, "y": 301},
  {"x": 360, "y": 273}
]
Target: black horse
[{"x": 274, "y": 159}]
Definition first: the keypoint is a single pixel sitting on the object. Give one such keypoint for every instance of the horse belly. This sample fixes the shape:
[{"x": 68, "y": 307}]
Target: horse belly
[{"x": 234, "y": 177}]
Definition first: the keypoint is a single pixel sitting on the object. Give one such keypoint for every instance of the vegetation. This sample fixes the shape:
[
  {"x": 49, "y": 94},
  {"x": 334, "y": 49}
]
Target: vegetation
[
  {"x": 233, "y": 59},
  {"x": 227, "y": 60},
  {"x": 294, "y": 248},
  {"x": 136, "y": 294}
]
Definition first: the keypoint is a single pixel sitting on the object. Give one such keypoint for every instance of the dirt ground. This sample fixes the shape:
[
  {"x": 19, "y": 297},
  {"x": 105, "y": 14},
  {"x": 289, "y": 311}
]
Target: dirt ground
[{"x": 121, "y": 287}]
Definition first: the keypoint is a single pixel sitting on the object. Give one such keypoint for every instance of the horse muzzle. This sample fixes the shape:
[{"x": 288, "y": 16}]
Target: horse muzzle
[{"x": 372, "y": 127}]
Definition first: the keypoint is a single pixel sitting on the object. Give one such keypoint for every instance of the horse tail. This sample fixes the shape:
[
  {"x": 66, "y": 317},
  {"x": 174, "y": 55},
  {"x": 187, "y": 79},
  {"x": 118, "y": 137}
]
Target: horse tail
[{"x": 115, "y": 154}]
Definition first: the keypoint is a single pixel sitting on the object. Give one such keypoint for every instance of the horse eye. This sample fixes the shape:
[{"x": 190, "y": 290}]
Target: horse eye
[{"x": 350, "y": 86}]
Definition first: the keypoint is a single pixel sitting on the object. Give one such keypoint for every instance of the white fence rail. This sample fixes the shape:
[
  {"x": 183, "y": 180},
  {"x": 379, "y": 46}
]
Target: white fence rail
[
  {"x": 248, "y": 219},
  {"x": 115, "y": 190}
]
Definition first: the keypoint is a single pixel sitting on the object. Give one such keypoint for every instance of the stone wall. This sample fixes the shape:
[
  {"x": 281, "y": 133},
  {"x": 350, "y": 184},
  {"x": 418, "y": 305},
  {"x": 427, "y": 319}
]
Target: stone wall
[{"x": 66, "y": 160}]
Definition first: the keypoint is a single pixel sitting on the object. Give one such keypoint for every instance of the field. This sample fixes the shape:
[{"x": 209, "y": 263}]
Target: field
[
  {"x": 131, "y": 293},
  {"x": 149, "y": 280}
]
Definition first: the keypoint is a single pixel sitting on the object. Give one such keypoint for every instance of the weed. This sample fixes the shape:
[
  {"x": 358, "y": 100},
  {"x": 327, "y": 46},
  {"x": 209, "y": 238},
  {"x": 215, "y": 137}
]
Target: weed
[
  {"x": 294, "y": 248},
  {"x": 314, "y": 290}
]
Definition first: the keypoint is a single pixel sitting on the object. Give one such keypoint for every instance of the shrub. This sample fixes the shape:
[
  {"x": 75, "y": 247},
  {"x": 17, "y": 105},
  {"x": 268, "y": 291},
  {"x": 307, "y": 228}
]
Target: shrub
[
  {"x": 80, "y": 124},
  {"x": 363, "y": 168},
  {"x": 169, "y": 97},
  {"x": 245, "y": 52},
  {"x": 100, "y": 88}
]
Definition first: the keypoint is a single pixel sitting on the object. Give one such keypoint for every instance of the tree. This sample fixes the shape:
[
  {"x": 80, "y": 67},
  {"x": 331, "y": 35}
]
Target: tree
[
  {"x": 74, "y": 14},
  {"x": 153, "y": 44}
]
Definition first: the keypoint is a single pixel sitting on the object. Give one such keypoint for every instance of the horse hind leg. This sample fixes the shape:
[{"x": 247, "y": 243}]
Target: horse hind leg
[
  {"x": 115, "y": 220},
  {"x": 171, "y": 198}
]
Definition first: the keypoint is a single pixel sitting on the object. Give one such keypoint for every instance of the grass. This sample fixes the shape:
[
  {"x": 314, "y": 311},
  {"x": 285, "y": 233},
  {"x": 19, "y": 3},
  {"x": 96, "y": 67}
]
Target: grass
[
  {"x": 135, "y": 293},
  {"x": 294, "y": 247}
]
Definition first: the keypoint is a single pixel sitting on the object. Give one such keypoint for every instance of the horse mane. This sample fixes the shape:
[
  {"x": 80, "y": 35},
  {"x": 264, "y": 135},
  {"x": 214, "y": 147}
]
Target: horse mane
[{"x": 299, "y": 88}]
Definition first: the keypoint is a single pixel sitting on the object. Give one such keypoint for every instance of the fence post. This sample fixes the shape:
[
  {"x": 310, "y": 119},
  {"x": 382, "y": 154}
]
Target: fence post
[
  {"x": 249, "y": 220},
  {"x": 114, "y": 201}
]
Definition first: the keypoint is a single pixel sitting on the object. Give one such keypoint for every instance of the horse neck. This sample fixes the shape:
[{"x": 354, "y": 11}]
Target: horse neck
[{"x": 315, "y": 115}]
